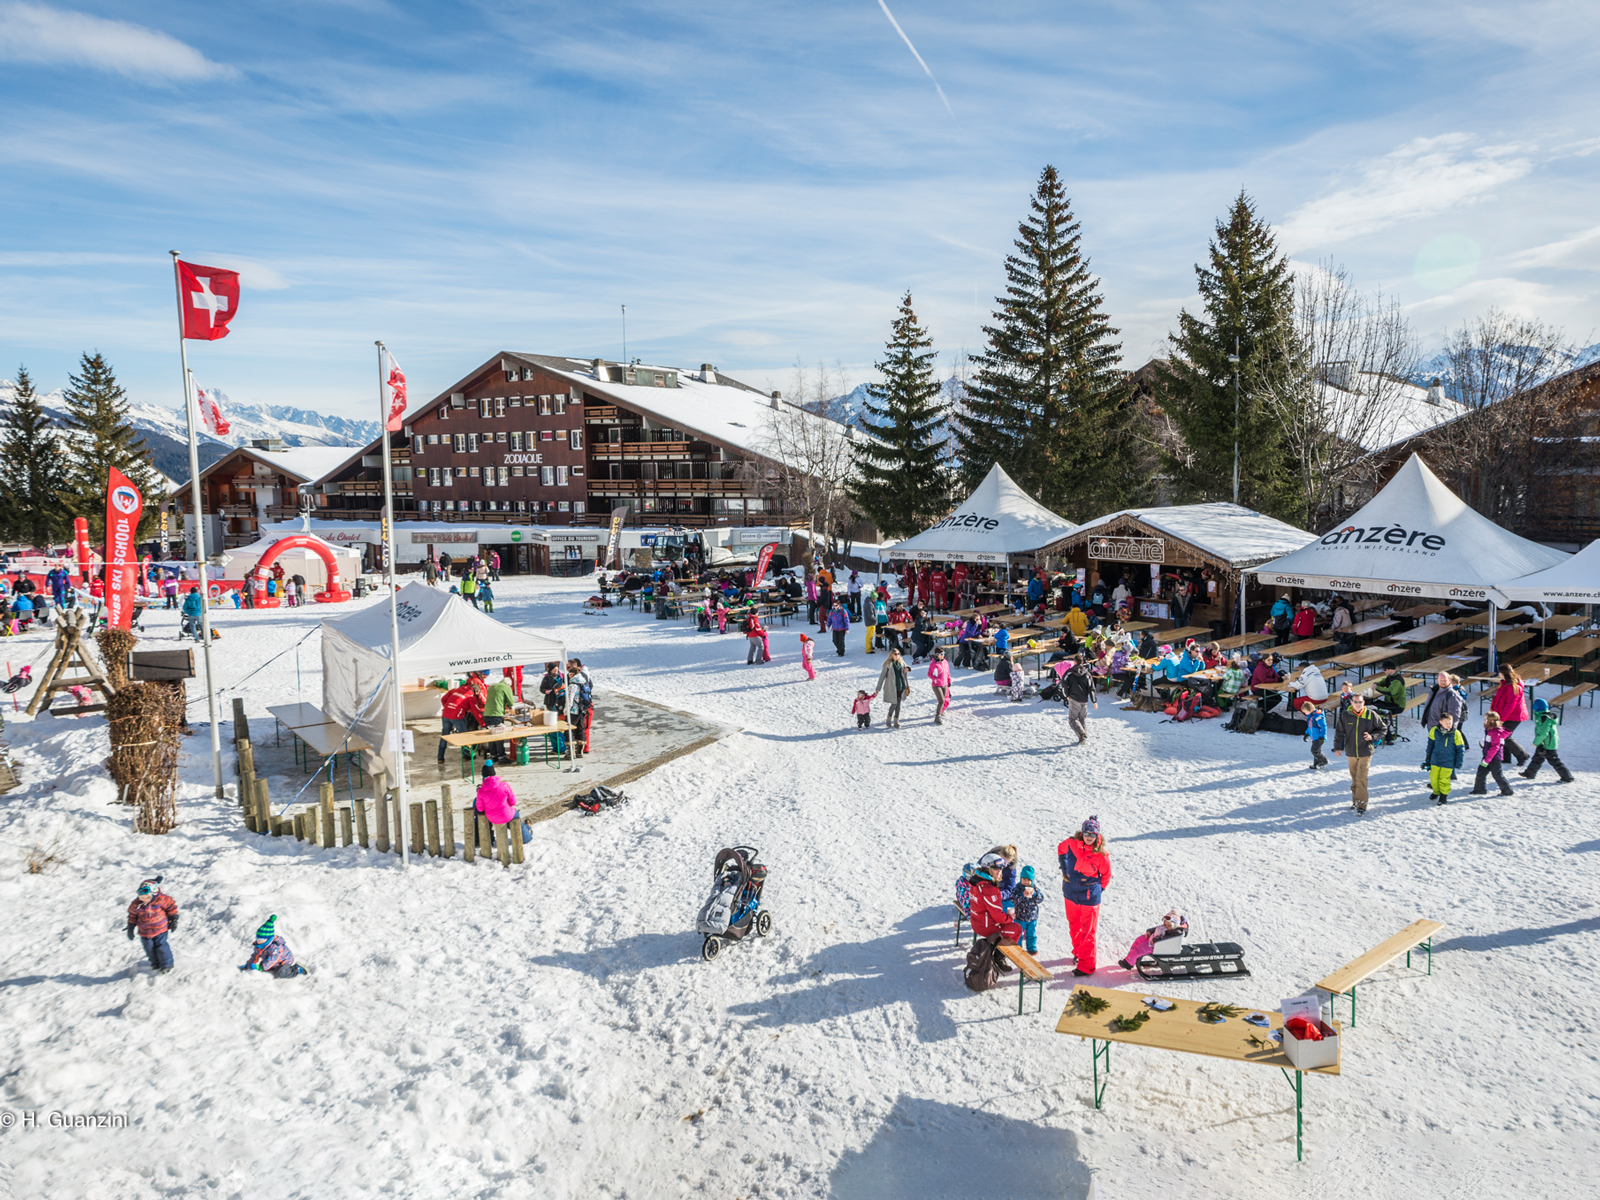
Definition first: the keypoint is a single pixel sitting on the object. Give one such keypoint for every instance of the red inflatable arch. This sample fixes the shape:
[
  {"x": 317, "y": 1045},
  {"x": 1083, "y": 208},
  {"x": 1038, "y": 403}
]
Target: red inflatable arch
[{"x": 332, "y": 594}]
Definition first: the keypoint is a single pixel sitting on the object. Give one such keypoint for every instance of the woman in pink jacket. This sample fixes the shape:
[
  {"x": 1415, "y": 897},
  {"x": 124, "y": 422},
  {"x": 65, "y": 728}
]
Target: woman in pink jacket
[
  {"x": 1511, "y": 702},
  {"x": 496, "y": 801},
  {"x": 939, "y": 680}
]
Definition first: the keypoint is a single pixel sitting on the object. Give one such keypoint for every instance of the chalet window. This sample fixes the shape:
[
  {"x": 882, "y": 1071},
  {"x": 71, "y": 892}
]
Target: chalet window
[
  {"x": 561, "y": 477},
  {"x": 516, "y": 472},
  {"x": 461, "y": 443},
  {"x": 433, "y": 439},
  {"x": 561, "y": 435},
  {"x": 544, "y": 435},
  {"x": 516, "y": 402},
  {"x": 505, "y": 476},
  {"x": 472, "y": 443},
  {"x": 578, "y": 506},
  {"x": 444, "y": 412},
  {"x": 564, "y": 506},
  {"x": 544, "y": 405},
  {"x": 522, "y": 506},
  {"x": 547, "y": 476},
  {"x": 576, "y": 439},
  {"x": 500, "y": 406},
  {"x": 477, "y": 506},
  {"x": 433, "y": 477},
  {"x": 416, "y": 445},
  {"x": 560, "y": 403},
  {"x": 516, "y": 441},
  {"x": 461, "y": 472},
  {"x": 577, "y": 471},
  {"x": 530, "y": 438},
  {"x": 500, "y": 435},
  {"x": 527, "y": 372},
  {"x": 472, "y": 471}
]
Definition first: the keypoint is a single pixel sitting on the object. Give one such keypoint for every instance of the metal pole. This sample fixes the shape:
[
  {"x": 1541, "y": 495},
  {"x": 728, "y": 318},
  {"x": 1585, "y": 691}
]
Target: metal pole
[
  {"x": 199, "y": 537},
  {"x": 1234, "y": 359},
  {"x": 1242, "y": 629},
  {"x": 1493, "y": 656},
  {"x": 398, "y": 698}
]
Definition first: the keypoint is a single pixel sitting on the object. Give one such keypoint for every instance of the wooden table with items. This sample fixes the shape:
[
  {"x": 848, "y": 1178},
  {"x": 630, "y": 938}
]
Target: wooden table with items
[
  {"x": 473, "y": 738},
  {"x": 1182, "y": 1030},
  {"x": 1188, "y": 631},
  {"x": 1361, "y": 659},
  {"x": 1442, "y": 662},
  {"x": 1241, "y": 640}
]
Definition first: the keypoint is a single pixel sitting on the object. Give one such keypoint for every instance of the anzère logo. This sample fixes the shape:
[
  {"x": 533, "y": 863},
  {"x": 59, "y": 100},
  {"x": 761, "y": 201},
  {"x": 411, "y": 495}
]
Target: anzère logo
[{"x": 1383, "y": 535}]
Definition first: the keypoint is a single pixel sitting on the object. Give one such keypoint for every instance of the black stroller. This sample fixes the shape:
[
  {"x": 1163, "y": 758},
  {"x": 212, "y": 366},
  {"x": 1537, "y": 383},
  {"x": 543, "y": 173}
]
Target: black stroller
[{"x": 734, "y": 907}]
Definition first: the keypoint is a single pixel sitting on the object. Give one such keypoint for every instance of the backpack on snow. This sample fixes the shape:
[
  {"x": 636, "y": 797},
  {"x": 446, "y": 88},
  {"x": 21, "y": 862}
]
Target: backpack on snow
[
  {"x": 981, "y": 972},
  {"x": 1246, "y": 716}
]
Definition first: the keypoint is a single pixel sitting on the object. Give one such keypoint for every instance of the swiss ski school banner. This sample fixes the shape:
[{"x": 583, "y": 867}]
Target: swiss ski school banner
[{"x": 124, "y": 504}]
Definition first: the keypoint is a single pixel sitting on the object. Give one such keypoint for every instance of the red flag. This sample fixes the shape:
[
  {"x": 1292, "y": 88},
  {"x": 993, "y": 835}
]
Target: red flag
[
  {"x": 761, "y": 563},
  {"x": 123, "y": 506},
  {"x": 394, "y": 393},
  {"x": 210, "y": 403},
  {"x": 208, "y": 297}
]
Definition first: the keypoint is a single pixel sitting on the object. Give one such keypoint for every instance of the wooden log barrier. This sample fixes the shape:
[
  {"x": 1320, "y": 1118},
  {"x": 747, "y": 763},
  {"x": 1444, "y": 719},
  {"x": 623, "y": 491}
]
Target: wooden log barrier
[
  {"x": 468, "y": 836},
  {"x": 325, "y": 804},
  {"x": 448, "y": 814},
  {"x": 504, "y": 848},
  {"x": 361, "y": 823},
  {"x": 344, "y": 826},
  {"x": 264, "y": 821},
  {"x": 381, "y": 806},
  {"x": 414, "y": 810},
  {"x": 485, "y": 846},
  {"x": 247, "y": 801},
  {"x": 247, "y": 758},
  {"x": 432, "y": 807},
  {"x": 241, "y": 723},
  {"x": 516, "y": 839}
]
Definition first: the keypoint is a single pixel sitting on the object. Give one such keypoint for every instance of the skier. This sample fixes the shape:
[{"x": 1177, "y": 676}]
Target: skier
[{"x": 154, "y": 914}]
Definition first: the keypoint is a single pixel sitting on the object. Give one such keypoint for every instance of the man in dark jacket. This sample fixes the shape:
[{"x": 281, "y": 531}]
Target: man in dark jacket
[
  {"x": 1080, "y": 694},
  {"x": 1355, "y": 731}
]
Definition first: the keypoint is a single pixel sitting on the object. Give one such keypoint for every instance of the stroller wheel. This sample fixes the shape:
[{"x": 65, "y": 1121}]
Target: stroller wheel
[
  {"x": 711, "y": 949},
  {"x": 763, "y": 924}
]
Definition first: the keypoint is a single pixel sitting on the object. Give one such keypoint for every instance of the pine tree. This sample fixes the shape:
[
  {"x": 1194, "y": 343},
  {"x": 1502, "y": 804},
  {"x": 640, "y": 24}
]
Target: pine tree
[
  {"x": 34, "y": 475},
  {"x": 902, "y": 482},
  {"x": 1247, "y": 293},
  {"x": 99, "y": 438},
  {"x": 1049, "y": 401}
]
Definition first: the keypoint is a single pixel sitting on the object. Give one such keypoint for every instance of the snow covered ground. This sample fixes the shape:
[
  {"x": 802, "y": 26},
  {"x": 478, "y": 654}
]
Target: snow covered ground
[{"x": 550, "y": 1031}]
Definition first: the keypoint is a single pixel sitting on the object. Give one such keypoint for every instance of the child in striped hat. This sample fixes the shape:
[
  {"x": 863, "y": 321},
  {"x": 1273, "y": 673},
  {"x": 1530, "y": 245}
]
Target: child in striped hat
[{"x": 272, "y": 953}]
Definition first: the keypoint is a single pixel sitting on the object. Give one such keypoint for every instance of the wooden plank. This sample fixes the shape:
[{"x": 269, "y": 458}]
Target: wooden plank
[
  {"x": 1572, "y": 694},
  {"x": 1180, "y": 1029},
  {"x": 1386, "y": 951},
  {"x": 1026, "y": 963}
]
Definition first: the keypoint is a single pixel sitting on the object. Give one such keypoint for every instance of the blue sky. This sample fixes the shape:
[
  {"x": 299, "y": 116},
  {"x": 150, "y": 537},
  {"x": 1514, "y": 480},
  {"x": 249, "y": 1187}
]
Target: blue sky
[{"x": 757, "y": 182}]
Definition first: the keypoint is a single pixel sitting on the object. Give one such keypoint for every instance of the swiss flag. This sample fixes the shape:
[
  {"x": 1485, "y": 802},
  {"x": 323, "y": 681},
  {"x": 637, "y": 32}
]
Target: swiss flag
[
  {"x": 394, "y": 392},
  {"x": 210, "y": 403},
  {"x": 208, "y": 297}
]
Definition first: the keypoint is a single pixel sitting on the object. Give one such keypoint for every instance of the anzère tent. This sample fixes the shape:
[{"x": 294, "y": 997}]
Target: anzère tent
[
  {"x": 997, "y": 520},
  {"x": 440, "y": 635},
  {"x": 1574, "y": 581}
]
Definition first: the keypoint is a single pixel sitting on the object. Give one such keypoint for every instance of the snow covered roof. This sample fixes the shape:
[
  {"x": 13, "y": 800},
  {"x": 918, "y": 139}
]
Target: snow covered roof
[
  {"x": 998, "y": 519},
  {"x": 1415, "y": 538},
  {"x": 1230, "y": 533},
  {"x": 1410, "y": 410},
  {"x": 1575, "y": 580},
  {"x": 305, "y": 463}
]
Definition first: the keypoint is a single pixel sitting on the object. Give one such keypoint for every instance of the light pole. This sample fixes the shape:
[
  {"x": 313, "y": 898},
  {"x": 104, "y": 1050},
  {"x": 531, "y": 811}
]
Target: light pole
[{"x": 1234, "y": 359}]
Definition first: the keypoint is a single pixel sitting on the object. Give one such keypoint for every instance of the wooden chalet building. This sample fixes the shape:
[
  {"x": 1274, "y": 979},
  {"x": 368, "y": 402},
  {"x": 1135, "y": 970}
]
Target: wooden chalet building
[
  {"x": 543, "y": 440},
  {"x": 255, "y": 484}
]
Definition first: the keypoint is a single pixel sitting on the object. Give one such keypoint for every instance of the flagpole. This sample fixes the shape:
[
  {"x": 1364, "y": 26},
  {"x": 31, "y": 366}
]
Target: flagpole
[
  {"x": 394, "y": 620},
  {"x": 199, "y": 534}
]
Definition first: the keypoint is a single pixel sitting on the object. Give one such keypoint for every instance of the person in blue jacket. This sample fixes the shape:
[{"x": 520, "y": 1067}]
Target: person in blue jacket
[
  {"x": 1446, "y": 754},
  {"x": 1282, "y": 619},
  {"x": 1317, "y": 731},
  {"x": 1035, "y": 591},
  {"x": 192, "y": 607}
]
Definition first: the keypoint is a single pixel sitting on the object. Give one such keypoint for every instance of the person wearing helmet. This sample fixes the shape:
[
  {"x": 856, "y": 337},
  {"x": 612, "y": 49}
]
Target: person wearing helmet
[
  {"x": 1085, "y": 873},
  {"x": 1545, "y": 741},
  {"x": 152, "y": 915},
  {"x": 964, "y": 892},
  {"x": 987, "y": 902}
]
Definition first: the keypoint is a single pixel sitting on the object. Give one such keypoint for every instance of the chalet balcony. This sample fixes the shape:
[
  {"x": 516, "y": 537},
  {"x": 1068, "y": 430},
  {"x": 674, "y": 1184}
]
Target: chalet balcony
[{"x": 667, "y": 487}]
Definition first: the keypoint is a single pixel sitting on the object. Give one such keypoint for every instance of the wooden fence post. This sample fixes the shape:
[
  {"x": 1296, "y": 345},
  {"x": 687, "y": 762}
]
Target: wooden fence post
[
  {"x": 326, "y": 805},
  {"x": 264, "y": 821},
  {"x": 485, "y": 846},
  {"x": 361, "y": 822},
  {"x": 414, "y": 811},
  {"x": 344, "y": 826},
  {"x": 468, "y": 836},
  {"x": 505, "y": 844},
  {"x": 381, "y": 805},
  {"x": 433, "y": 827},
  {"x": 247, "y": 801},
  {"x": 241, "y": 723},
  {"x": 448, "y": 815},
  {"x": 299, "y": 825},
  {"x": 247, "y": 757},
  {"x": 516, "y": 838}
]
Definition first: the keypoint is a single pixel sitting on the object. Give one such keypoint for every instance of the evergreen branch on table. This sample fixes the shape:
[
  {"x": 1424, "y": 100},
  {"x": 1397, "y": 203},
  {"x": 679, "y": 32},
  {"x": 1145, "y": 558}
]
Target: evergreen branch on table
[
  {"x": 1214, "y": 1013},
  {"x": 1129, "y": 1024},
  {"x": 1089, "y": 1005}
]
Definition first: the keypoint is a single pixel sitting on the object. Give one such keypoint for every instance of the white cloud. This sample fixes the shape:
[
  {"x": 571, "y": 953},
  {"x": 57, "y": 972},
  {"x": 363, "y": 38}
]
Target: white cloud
[
  {"x": 1573, "y": 253},
  {"x": 1423, "y": 178},
  {"x": 34, "y": 33}
]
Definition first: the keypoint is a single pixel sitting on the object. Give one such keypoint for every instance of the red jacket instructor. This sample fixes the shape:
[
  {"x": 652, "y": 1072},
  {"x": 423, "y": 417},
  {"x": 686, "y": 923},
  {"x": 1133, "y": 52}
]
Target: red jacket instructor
[
  {"x": 1085, "y": 873},
  {"x": 987, "y": 905}
]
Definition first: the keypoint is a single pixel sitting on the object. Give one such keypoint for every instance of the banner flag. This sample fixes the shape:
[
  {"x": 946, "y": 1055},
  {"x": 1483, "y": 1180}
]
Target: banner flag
[
  {"x": 209, "y": 401},
  {"x": 207, "y": 299},
  {"x": 763, "y": 561},
  {"x": 124, "y": 504},
  {"x": 394, "y": 393},
  {"x": 614, "y": 542}
]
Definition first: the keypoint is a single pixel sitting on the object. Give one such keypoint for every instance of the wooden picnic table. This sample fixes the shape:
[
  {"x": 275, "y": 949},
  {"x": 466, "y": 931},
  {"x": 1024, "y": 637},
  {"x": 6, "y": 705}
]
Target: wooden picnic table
[
  {"x": 1301, "y": 649},
  {"x": 1564, "y": 622},
  {"x": 1240, "y": 641},
  {"x": 1442, "y": 662},
  {"x": 1377, "y": 625},
  {"x": 1361, "y": 659},
  {"x": 473, "y": 738},
  {"x": 1039, "y": 652},
  {"x": 1575, "y": 648},
  {"x": 296, "y": 716},
  {"x": 333, "y": 741},
  {"x": 1423, "y": 634},
  {"x": 1188, "y": 631},
  {"x": 1138, "y": 626},
  {"x": 1506, "y": 639},
  {"x": 1014, "y": 619},
  {"x": 1181, "y": 1030},
  {"x": 1419, "y": 611}
]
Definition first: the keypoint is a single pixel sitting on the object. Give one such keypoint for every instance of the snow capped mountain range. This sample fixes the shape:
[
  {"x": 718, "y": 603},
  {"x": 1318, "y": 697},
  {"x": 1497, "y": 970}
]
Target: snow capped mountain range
[
  {"x": 167, "y": 433},
  {"x": 1438, "y": 367}
]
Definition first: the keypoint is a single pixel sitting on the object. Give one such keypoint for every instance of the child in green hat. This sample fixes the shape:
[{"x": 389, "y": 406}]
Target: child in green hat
[{"x": 272, "y": 953}]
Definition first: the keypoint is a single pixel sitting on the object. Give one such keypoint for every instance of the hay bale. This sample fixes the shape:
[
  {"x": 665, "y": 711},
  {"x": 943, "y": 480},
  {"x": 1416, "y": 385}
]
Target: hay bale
[
  {"x": 145, "y": 719},
  {"x": 115, "y": 645}
]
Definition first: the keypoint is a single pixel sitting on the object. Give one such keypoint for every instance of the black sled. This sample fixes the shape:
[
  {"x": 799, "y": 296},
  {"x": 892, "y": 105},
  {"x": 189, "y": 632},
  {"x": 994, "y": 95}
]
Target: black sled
[{"x": 1198, "y": 960}]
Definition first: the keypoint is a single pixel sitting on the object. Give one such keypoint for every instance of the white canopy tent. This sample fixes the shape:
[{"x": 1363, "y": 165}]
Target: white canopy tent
[
  {"x": 440, "y": 635},
  {"x": 1574, "y": 581},
  {"x": 997, "y": 520},
  {"x": 1415, "y": 538}
]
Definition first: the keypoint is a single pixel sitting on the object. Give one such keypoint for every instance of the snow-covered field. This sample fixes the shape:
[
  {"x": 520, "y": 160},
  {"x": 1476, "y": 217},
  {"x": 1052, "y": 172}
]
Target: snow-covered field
[{"x": 550, "y": 1031}]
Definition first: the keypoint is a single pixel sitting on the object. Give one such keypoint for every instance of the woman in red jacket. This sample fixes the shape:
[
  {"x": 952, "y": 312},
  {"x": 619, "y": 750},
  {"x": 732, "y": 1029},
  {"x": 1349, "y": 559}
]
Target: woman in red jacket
[
  {"x": 1085, "y": 873},
  {"x": 989, "y": 915},
  {"x": 1511, "y": 702}
]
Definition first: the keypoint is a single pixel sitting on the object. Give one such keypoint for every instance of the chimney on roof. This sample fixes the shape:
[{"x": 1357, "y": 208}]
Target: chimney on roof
[
  {"x": 268, "y": 443},
  {"x": 1436, "y": 392},
  {"x": 708, "y": 373},
  {"x": 850, "y": 432},
  {"x": 776, "y": 396},
  {"x": 599, "y": 366}
]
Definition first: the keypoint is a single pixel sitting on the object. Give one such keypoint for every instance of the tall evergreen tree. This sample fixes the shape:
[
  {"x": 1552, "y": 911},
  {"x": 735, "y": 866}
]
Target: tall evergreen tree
[
  {"x": 34, "y": 475},
  {"x": 1049, "y": 401},
  {"x": 902, "y": 480},
  {"x": 1247, "y": 293},
  {"x": 100, "y": 437}
]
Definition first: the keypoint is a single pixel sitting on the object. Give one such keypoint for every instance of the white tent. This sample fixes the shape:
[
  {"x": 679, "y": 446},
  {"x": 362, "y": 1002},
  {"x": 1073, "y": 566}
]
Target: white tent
[
  {"x": 440, "y": 635},
  {"x": 1575, "y": 580},
  {"x": 997, "y": 520},
  {"x": 1415, "y": 538}
]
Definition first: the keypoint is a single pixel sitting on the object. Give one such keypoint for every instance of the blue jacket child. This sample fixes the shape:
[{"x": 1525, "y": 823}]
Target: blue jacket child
[
  {"x": 1448, "y": 751},
  {"x": 1317, "y": 725},
  {"x": 1025, "y": 909}
]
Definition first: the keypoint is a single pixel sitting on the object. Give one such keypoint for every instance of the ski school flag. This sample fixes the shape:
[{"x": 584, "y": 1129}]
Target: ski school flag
[
  {"x": 210, "y": 403},
  {"x": 207, "y": 299},
  {"x": 123, "y": 507},
  {"x": 614, "y": 539},
  {"x": 763, "y": 561},
  {"x": 394, "y": 392}
]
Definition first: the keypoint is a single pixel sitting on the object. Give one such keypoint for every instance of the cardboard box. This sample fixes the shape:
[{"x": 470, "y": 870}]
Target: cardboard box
[{"x": 1306, "y": 1055}]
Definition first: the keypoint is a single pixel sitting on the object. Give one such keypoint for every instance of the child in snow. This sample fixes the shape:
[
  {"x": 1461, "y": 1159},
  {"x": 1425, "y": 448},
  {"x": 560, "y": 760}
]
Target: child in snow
[
  {"x": 486, "y": 597},
  {"x": 964, "y": 892},
  {"x": 272, "y": 953},
  {"x": 807, "y": 650},
  {"x": 1317, "y": 731},
  {"x": 1494, "y": 753},
  {"x": 1446, "y": 754},
  {"x": 1025, "y": 908},
  {"x": 1173, "y": 925},
  {"x": 154, "y": 914},
  {"x": 1545, "y": 741},
  {"x": 863, "y": 710}
]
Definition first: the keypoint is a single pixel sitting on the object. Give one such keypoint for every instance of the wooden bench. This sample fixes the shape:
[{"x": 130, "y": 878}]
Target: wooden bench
[
  {"x": 1028, "y": 971},
  {"x": 1417, "y": 935},
  {"x": 1574, "y": 693}
]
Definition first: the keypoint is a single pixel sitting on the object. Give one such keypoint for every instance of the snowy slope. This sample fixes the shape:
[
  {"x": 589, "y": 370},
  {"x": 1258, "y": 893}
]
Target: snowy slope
[{"x": 549, "y": 1031}]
